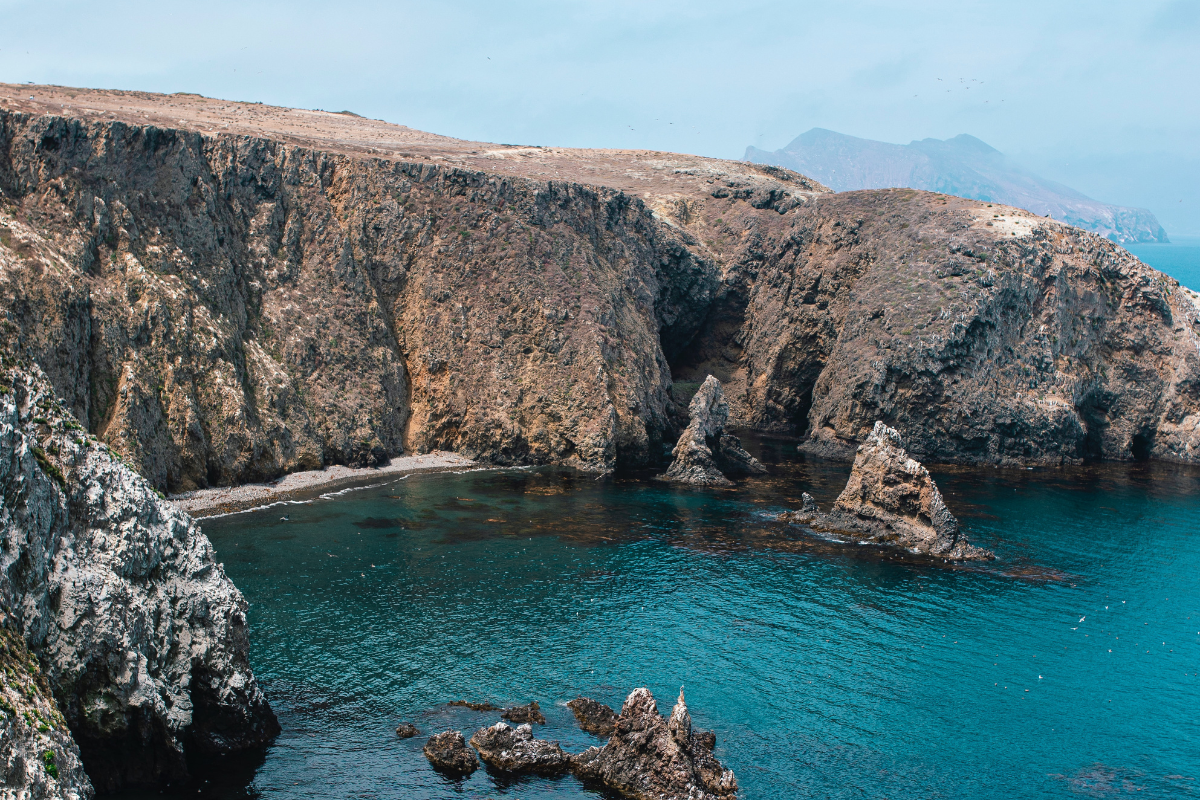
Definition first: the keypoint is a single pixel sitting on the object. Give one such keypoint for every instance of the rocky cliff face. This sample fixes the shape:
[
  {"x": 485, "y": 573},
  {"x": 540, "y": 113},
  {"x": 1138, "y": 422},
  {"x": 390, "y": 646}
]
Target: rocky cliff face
[
  {"x": 986, "y": 334},
  {"x": 135, "y": 631},
  {"x": 224, "y": 307}
]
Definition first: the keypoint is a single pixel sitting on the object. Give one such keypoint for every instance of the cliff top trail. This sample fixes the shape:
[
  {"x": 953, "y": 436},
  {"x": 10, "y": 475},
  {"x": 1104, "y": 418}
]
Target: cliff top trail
[{"x": 652, "y": 175}]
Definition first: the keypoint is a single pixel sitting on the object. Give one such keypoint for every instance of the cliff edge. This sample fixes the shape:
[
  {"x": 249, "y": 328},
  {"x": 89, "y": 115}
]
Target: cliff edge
[
  {"x": 227, "y": 292},
  {"x": 138, "y": 638}
]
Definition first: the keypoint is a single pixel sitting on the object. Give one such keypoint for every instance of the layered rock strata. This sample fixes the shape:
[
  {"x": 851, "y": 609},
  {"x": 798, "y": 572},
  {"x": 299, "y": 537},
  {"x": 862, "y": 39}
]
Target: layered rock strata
[
  {"x": 705, "y": 454},
  {"x": 890, "y": 498},
  {"x": 651, "y": 758},
  {"x": 515, "y": 750},
  {"x": 137, "y": 632},
  {"x": 226, "y": 307}
]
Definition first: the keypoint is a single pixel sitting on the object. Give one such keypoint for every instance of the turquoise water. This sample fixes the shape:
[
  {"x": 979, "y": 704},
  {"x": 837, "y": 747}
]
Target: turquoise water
[
  {"x": 1180, "y": 259},
  {"x": 1066, "y": 668}
]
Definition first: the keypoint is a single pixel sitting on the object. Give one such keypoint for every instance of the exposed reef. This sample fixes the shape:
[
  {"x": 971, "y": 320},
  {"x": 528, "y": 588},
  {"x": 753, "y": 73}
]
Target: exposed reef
[
  {"x": 514, "y": 750},
  {"x": 890, "y": 498},
  {"x": 527, "y": 713},
  {"x": 135, "y": 630},
  {"x": 448, "y": 752},
  {"x": 651, "y": 758},
  {"x": 593, "y": 717},
  {"x": 705, "y": 454}
]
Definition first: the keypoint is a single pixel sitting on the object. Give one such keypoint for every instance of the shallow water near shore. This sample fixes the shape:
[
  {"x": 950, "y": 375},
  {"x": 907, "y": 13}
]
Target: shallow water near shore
[{"x": 1066, "y": 668}]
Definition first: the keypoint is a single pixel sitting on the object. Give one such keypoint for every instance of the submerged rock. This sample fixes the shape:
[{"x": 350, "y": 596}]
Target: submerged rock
[
  {"x": 593, "y": 717},
  {"x": 448, "y": 752},
  {"x": 890, "y": 498},
  {"x": 705, "y": 454},
  {"x": 474, "y": 706},
  {"x": 651, "y": 758},
  {"x": 406, "y": 730},
  {"x": 529, "y": 713},
  {"x": 141, "y": 636},
  {"x": 515, "y": 750}
]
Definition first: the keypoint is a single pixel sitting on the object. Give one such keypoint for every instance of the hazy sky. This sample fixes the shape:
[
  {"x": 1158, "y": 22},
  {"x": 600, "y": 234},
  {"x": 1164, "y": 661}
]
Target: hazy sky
[{"x": 1102, "y": 95}]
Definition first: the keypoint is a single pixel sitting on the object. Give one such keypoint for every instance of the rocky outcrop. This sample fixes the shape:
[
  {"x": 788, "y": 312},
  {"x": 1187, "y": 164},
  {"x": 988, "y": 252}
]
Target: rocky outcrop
[
  {"x": 222, "y": 308},
  {"x": 528, "y": 713},
  {"x": 140, "y": 636},
  {"x": 406, "y": 730},
  {"x": 890, "y": 498},
  {"x": 651, "y": 758},
  {"x": 38, "y": 758},
  {"x": 448, "y": 752},
  {"x": 593, "y": 717},
  {"x": 514, "y": 750},
  {"x": 705, "y": 454}
]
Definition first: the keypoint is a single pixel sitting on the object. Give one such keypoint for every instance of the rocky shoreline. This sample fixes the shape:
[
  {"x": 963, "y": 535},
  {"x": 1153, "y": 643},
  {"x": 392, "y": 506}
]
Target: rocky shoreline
[
  {"x": 646, "y": 756},
  {"x": 304, "y": 485}
]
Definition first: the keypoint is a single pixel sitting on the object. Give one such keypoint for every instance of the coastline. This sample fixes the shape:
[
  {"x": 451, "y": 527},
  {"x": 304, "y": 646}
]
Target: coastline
[{"x": 308, "y": 484}]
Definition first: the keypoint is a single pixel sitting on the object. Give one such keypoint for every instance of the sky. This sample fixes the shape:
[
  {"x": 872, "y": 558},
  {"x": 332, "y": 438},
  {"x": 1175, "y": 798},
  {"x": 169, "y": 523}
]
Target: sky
[{"x": 1102, "y": 96}]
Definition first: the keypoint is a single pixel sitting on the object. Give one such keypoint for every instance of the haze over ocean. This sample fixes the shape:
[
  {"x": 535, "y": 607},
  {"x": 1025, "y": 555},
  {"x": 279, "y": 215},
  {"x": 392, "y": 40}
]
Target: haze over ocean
[{"x": 1180, "y": 258}]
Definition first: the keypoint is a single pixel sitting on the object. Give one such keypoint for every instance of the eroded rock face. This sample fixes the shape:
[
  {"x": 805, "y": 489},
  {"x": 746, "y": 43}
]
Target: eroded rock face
[
  {"x": 448, "y": 752},
  {"x": 890, "y": 498},
  {"x": 593, "y": 717},
  {"x": 651, "y": 758},
  {"x": 141, "y": 636},
  {"x": 225, "y": 308},
  {"x": 515, "y": 750},
  {"x": 705, "y": 453},
  {"x": 39, "y": 759}
]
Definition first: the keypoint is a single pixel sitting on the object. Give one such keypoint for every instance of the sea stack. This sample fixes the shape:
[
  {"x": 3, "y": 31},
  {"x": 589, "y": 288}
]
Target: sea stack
[
  {"x": 651, "y": 757},
  {"x": 890, "y": 498},
  {"x": 705, "y": 454}
]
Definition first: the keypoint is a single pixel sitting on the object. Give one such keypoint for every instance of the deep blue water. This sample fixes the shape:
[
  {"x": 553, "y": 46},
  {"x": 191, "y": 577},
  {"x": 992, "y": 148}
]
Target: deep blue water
[
  {"x": 1066, "y": 668},
  {"x": 1180, "y": 259}
]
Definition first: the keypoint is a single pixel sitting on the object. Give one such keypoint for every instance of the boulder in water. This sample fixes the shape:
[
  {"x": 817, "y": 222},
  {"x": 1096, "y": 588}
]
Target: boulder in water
[
  {"x": 514, "y": 750},
  {"x": 651, "y": 757},
  {"x": 705, "y": 454},
  {"x": 593, "y": 717},
  {"x": 529, "y": 713},
  {"x": 448, "y": 752},
  {"x": 406, "y": 730}
]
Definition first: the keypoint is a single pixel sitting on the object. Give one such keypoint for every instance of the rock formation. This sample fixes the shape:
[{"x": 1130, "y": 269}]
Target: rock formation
[
  {"x": 38, "y": 758},
  {"x": 448, "y": 752},
  {"x": 514, "y": 750},
  {"x": 529, "y": 713},
  {"x": 593, "y": 717},
  {"x": 705, "y": 453},
  {"x": 406, "y": 730},
  {"x": 226, "y": 307},
  {"x": 137, "y": 632},
  {"x": 651, "y": 758},
  {"x": 891, "y": 499}
]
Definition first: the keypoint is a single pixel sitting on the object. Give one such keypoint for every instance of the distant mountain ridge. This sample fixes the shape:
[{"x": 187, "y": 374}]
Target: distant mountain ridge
[{"x": 963, "y": 166}]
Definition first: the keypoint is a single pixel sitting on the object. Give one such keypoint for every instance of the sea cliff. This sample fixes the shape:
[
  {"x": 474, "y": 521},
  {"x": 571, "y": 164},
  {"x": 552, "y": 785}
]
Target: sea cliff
[{"x": 222, "y": 307}]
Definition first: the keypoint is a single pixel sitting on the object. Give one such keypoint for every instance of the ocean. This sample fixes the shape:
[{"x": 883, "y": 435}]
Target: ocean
[
  {"x": 1180, "y": 259},
  {"x": 1066, "y": 668}
]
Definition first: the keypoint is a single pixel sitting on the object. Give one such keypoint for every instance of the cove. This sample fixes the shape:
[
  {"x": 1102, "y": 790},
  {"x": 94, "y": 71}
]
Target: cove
[{"x": 1066, "y": 668}]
